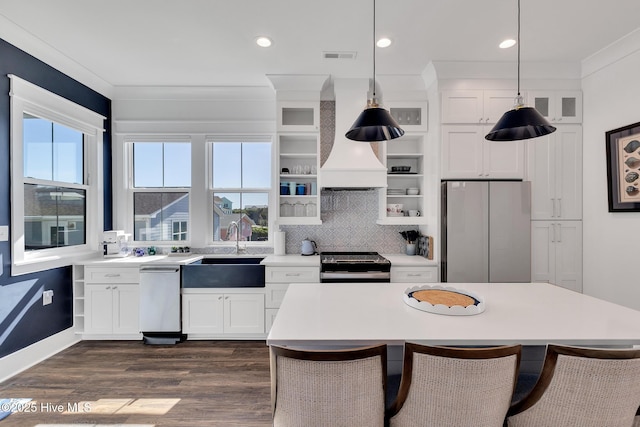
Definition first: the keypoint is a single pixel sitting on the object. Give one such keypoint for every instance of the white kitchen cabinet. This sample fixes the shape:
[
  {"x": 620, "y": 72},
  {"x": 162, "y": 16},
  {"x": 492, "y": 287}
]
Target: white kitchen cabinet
[
  {"x": 466, "y": 154},
  {"x": 558, "y": 106},
  {"x": 111, "y": 302},
  {"x": 203, "y": 313},
  {"x": 554, "y": 167},
  {"x": 414, "y": 274},
  {"x": 225, "y": 314},
  {"x": 298, "y": 116},
  {"x": 410, "y": 115},
  {"x": 112, "y": 309},
  {"x": 278, "y": 280},
  {"x": 556, "y": 253},
  {"x": 406, "y": 151},
  {"x": 475, "y": 106},
  {"x": 298, "y": 165}
]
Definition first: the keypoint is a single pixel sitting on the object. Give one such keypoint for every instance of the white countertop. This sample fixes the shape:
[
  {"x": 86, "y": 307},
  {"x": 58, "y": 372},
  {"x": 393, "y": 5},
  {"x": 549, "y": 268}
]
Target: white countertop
[
  {"x": 293, "y": 260},
  {"x": 401, "y": 260},
  {"x": 133, "y": 261},
  {"x": 526, "y": 313}
]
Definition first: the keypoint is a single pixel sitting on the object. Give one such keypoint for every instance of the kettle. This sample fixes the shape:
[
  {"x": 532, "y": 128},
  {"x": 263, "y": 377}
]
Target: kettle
[{"x": 309, "y": 247}]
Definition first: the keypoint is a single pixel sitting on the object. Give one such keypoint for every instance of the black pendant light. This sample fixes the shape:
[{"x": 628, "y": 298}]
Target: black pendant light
[
  {"x": 375, "y": 123},
  {"x": 521, "y": 122}
]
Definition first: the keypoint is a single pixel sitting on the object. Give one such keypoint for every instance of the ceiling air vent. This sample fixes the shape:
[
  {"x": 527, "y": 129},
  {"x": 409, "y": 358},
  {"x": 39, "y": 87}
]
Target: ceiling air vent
[{"x": 339, "y": 55}]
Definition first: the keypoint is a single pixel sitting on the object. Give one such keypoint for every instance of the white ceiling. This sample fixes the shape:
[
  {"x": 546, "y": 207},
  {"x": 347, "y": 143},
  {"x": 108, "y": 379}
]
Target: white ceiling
[{"x": 211, "y": 42}]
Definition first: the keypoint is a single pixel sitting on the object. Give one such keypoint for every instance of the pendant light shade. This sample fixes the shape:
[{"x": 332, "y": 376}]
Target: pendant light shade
[
  {"x": 521, "y": 122},
  {"x": 375, "y": 123}
]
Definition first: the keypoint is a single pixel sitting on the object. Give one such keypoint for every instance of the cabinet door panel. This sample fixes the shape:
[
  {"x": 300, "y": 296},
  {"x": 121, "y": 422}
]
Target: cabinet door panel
[
  {"x": 244, "y": 314},
  {"x": 99, "y": 309},
  {"x": 542, "y": 251},
  {"x": 568, "y": 142},
  {"x": 126, "y": 306},
  {"x": 202, "y": 313},
  {"x": 541, "y": 159},
  {"x": 496, "y": 103},
  {"x": 503, "y": 160},
  {"x": 462, "y": 106},
  {"x": 462, "y": 152},
  {"x": 569, "y": 255}
]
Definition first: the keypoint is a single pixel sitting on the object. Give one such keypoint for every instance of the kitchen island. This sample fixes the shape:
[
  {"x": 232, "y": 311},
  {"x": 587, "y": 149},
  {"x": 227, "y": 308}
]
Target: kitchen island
[{"x": 338, "y": 315}]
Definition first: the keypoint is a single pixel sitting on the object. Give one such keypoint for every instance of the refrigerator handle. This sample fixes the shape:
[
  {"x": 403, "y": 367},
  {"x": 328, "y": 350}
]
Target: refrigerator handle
[
  {"x": 553, "y": 232},
  {"x": 553, "y": 208},
  {"x": 559, "y": 233},
  {"x": 560, "y": 207}
]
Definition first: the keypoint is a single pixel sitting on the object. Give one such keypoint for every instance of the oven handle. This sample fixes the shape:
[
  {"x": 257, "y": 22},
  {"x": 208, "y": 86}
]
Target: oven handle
[{"x": 354, "y": 275}]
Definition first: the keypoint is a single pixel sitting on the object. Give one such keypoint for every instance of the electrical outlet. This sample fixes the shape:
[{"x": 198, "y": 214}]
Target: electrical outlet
[
  {"x": 4, "y": 233},
  {"x": 47, "y": 297}
]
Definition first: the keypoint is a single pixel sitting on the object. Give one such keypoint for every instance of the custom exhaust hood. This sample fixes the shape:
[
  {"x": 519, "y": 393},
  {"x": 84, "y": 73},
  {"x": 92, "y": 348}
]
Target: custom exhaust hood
[{"x": 351, "y": 165}]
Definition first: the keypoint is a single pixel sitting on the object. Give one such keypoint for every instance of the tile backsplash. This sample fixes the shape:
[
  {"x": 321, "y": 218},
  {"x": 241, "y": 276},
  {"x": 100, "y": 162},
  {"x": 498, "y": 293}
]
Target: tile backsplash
[{"x": 348, "y": 224}]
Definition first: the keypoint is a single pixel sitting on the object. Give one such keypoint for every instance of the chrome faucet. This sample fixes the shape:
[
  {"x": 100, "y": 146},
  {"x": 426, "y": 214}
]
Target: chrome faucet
[{"x": 235, "y": 224}]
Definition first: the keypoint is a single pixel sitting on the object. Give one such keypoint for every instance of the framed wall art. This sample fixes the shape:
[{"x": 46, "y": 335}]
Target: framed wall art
[{"x": 623, "y": 168}]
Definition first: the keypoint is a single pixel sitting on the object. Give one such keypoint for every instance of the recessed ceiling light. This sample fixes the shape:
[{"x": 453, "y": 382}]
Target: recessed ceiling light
[
  {"x": 383, "y": 42},
  {"x": 507, "y": 44},
  {"x": 263, "y": 41}
]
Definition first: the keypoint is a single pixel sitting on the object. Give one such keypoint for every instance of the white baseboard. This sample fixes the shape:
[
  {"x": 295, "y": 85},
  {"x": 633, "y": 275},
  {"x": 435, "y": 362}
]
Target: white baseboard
[{"x": 27, "y": 357}]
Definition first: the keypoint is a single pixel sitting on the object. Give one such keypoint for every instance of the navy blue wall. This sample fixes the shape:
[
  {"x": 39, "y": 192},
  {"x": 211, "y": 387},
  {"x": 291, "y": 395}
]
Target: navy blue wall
[{"x": 23, "y": 318}]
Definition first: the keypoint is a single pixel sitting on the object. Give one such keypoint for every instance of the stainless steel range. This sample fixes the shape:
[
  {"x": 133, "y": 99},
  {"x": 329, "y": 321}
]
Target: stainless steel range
[{"x": 354, "y": 267}]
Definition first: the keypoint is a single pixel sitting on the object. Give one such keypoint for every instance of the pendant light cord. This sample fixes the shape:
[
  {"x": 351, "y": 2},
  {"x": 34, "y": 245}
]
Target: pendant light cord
[
  {"x": 518, "y": 48},
  {"x": 374, "y": 49}
]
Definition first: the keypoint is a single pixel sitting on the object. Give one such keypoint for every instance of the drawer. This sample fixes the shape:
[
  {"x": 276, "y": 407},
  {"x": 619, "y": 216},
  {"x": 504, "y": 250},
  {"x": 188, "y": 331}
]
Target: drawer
[
  {"x": 112, "y": 275},
  {"x": 292, "y": 274},
  {"x": 414, "y": 274},
  {"x": 275, "y": 293}
]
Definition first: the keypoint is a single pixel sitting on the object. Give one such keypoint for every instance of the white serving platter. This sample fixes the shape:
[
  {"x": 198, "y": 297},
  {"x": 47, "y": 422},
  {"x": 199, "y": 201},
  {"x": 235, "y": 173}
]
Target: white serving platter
[{"x": 456, "y": 310}]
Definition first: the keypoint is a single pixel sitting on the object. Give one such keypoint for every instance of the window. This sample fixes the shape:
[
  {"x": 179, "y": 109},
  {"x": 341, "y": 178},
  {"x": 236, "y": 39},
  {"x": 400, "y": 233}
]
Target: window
[
  {"x": 56, "y": 148},
  {"x": 161, "y": 215},
  {"x": 241, "y": 182},
  {"x": 52, "y": 153}
]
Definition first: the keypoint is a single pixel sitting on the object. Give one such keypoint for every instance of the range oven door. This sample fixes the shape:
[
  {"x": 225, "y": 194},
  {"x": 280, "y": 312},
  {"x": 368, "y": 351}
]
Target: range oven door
[{"x": 354, "y": 276}]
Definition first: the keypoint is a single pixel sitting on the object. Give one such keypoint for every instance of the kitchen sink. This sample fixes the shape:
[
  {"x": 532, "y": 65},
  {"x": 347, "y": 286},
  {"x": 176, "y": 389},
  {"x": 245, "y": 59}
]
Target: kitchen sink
[
  {"x": 228, "y": 272},
  {"x": 232, "y": 260}
]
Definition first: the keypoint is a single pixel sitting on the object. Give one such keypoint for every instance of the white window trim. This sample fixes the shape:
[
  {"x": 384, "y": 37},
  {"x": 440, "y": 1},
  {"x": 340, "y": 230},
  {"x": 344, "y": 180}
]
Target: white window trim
[
  {"x": 27, "y": 97},
  {"x": 210, "y": 140}
]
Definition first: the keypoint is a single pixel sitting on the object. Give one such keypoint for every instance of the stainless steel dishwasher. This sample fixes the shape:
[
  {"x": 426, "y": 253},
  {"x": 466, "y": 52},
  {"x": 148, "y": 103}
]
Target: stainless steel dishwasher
[{"x": 160, "y": 321}]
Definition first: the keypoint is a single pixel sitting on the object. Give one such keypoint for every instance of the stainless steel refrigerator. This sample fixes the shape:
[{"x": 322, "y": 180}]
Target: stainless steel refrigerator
[{"x": 486, "y": 231}]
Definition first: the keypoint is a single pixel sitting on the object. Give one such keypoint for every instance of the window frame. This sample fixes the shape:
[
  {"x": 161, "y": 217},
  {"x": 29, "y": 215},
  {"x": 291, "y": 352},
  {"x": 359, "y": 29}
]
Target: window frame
[
  {"x": 211, "y": 190},
  {"x": 26, "y": 97},
  {"x": 131, "y": 190}
]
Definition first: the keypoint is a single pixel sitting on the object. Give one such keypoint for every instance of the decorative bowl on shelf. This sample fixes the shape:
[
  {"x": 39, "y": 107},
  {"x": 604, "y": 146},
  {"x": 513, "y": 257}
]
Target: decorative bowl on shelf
[{"x": 413, "y": 191}]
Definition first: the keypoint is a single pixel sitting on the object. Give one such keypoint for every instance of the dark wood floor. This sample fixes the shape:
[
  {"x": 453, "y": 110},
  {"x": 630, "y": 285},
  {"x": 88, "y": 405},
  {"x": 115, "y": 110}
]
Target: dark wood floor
[{"x": 219, "y": 383}]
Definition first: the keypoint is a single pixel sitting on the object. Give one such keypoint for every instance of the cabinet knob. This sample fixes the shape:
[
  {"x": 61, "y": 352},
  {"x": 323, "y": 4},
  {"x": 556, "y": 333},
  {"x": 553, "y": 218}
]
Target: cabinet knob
[
  {"x": 108, "y": 287},
  {"x": 226, "y": 297},
  {"x": 480, "y": 120},
  {"x": 219, "y": 298},
  {"x": 115, "y": 287},
  {"x": 486, "y": 120},
  {"x": 560, "y": 119}
]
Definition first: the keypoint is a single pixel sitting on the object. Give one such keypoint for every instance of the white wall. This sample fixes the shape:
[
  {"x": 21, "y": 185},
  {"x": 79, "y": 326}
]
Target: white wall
[{"x": 611, "y": 93}]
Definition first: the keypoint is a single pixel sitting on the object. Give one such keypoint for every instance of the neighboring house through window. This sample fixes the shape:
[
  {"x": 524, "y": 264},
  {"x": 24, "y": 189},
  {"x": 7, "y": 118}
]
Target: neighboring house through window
[
  {"x": 161, "y": 182},
  {"x": 241, "y": 187}
]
